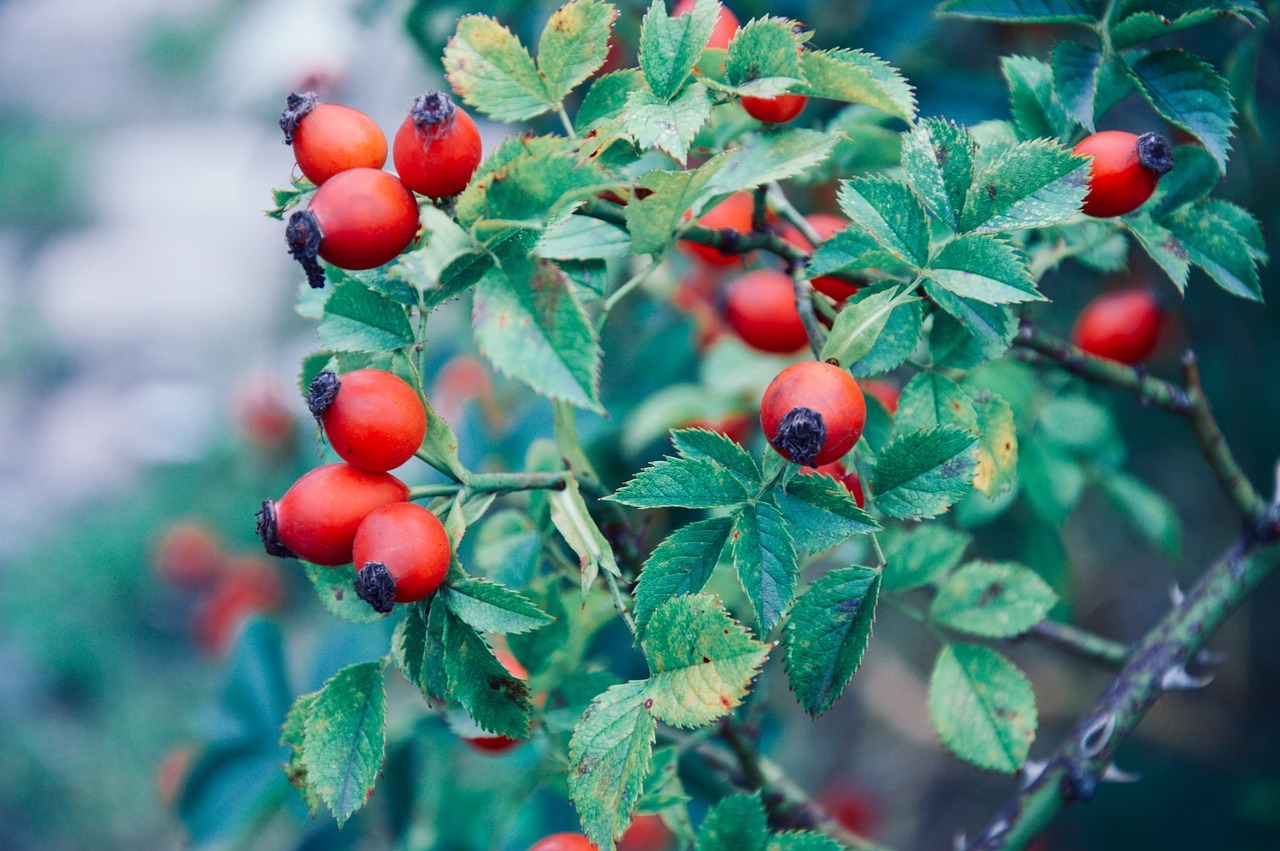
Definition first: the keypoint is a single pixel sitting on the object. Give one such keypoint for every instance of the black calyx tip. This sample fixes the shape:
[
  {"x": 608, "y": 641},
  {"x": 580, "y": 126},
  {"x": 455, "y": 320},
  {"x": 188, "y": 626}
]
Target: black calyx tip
[
  {"x": 375, "y": 586},
  {"x": 304, "y": 236},
  {"x": 268, "y": 532},
  {"x": 729, "y": 242},
  {"x": 322, "y": 392},
  {"x": 801, "y": 436},
  {"x": 296, "y": 107},
  {"x": 432, "y": 112},
  {"x": 1155, "y": 154}
]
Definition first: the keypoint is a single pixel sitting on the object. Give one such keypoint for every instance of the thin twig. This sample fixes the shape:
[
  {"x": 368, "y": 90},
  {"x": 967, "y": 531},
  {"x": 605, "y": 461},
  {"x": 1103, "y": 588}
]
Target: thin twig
[
  {"x": 1080, "y": 643},
  {"x": 804, "y": 306}
]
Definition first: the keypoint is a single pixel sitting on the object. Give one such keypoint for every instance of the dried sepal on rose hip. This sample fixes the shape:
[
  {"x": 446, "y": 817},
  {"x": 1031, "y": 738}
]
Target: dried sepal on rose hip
[
  {"x": 373, "y": 419},
  {"x": 317, "y": 518},
  {"x": 360, "y": 218},
  {"x": 813, "y": 413},
  {"x": 401, "y": 553},
  {"x": 437, "y": 148},
  {"x": 329, "y": 138},
  {"x": 1123, "y": 171}
]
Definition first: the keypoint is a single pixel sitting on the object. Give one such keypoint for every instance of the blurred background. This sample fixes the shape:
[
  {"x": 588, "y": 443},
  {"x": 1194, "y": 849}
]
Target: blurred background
[{"x": 149, "y": 354}]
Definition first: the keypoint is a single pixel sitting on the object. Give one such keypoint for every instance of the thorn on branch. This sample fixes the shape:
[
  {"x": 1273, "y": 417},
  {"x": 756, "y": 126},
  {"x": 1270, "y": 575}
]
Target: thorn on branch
[
  {"x": 1114, "y": 774},
  {"x": 1177, "y": 677},
  {"x": 1031, "y": 771},
  {"x": 1176, "y": 594}
]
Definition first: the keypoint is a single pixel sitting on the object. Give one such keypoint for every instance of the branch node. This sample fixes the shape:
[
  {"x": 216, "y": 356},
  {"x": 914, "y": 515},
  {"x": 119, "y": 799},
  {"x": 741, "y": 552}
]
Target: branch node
[
  {"x": 1077, "y": 785},
  {"x": 1097, "y": 734}
]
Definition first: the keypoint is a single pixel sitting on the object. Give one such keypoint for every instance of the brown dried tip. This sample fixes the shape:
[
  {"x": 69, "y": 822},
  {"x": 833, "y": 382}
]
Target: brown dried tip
[
  {"x": 1155, "y": 154},
  {"x": 801, "y": 435},
  {"x": 321, "y": 393},
  {"x": 303, "y": 236},
  {"x": 432, "y": 113},
  {"x": 296, "y": 107},
  {"x": 376, "y": 587},
  {"x": 268, "y": 532}
]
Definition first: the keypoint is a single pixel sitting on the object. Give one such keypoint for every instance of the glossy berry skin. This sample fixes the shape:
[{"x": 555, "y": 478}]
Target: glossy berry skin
[
  {"x": 328, "y": 138},
  {"x": 850, "y": 480},
  {"x": 774, "y": 110},
  {"x": 760, "y": 307},
  {"x": 437, "y": 148},
  {"x": 316, "y": 520},
  {"x": 1124, "y": 170},
  {"x": 502, "y": 744},
  {"x": 826, "y": 226},
  {"x": 564, "y": 842},
  {"x": 360, "y": 218},
  {"x": 813, "y": 413},
  {"x": 411, "y": 547},
  {"x": 373, "y": 419},
  {"x": 1121, "y": 326},
  {"x": 733, "y": 213},
  {"x": 726, "y": 24}
]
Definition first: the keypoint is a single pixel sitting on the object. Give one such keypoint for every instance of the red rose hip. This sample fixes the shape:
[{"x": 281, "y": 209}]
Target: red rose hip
[
  {"x": 374, "y": 420},
  {"x": 360, "y": 218},
  {"x": 328, "y": 138},
  {"x": 1122, "y": 326},
  {"x": 437, "y": 148},
  {"x": 813, "y": 413},
  {"x": 401, "y": 553},
  {"x": 316, "y": 520},
  {"x": 826, "y": 226},
  {"x": 1123, "y": 171},
  {"x": 774, "y": 110},
  {"x": 760, "y": 307},
  {"x": 731, "y": 214}
]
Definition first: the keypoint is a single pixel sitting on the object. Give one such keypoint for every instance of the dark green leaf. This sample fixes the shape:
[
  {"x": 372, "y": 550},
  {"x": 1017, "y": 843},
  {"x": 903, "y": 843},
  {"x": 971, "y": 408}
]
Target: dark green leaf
[
  {"x": 1149, "y": 513},
  {"x": 896, "y": 341},
  {"x": 1187, "y": 90},
  {"x": 356, "y": 319},
  {"x": 683, "y": 483},
  {"x": 891, "y": 215},
  {"x": 491, "y": 607},
  {"x": 822, "y": 512},
  {"x": 346, "y": 737},
  {"x": 1193, "y": 176},
  {"x": 1075, "y": 80},
  {"x": 335, "y": 586},
  {"x": 669, "y": 47},
  {"x": 769, "y": 157},
  {"x": 292, "y": 733},
  {"x": 921, "y": 474},
  {"x": 418, "y": 649},
  {"x": 606, "y": 98},
  {"x": 736, "y": 823},
  {"x": 766, "y": 561},
  {"x": 858, "y": 326},
  {"x": 1032, "y": 102},
  {"x": 681, "y": 564},
  {"x": 931, "y": 399},
  {"x": 1212, "y": 241},
  {"x": 855, "y": 76},
  {"x": 1032, "y": 184},
  {"x": 715, "y": 447},
  {"x": 1021, "y": 11},
  {"x": 763, "y": 59},
  {"x": 495, "y": 699},
  {"x": 1161, "y": 246},
  {"x": 985, "y": 268},
  {"x": 609, "y": 759},
  {"x": 827, "y": 634},
  {"x": 937, "y": 157}
]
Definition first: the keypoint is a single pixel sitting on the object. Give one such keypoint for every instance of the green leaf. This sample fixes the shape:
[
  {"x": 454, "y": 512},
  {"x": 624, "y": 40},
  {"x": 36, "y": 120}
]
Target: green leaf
[
  {"x": 682, "y": 483},
  {"x": 1187, "y": 91},
  {"x": 998, "y": 447},
  {"x": 931, "y": 399},
  {"x": 491, "y": 70},
  {"x": 418, "y": 649},
  {"x": 938, "y": 157},
  {"x": 1147, "y": 511},
  {"x": 827, "y": 634},
  {"x": 822, "y": 513},
  {"x": 606, "y": 98},
  {"x": 765, "y": 559},
  {"x": 715, "y": 447},
  {"x": 848, "y": 251},
  {"x": 992, "y": 599},
  {"x": 663, "y": 788},
  {"x": 982, "y": 707},
  {"x": 1075, "y": 80},
  {"x": 1032, "y": 102},
  {"x": 345, "y": 738},
  {"x": 652, "y": 220},
  {"x": 537, "y": 186},
  {"x": 895, "y": 342},
  {"x": 1193, "y": 176},
  {"x": 763, "y": 59},
  {"x": 735, "y": 823},
  {"x": 802, "y": 840},
  {"x": 574, "y": 44},
  {"x": 669, "y": 47},
  {"x": 1051, "y": 480},
  {"x": 1208, "y": 233},
  {"x": 770, "y": 157},
  {"x": 858, "y": 326},
  {"x": 571, "y": 518},
  {"x": 920, "y": 475},
  {"x": 991, "y": 325},
  {"x": 335, "y": 586},
  {"x": 923, "y": 557},
  {"x": 1141, "y": 20},
  {"x": 491, "y": 607},
  {"x": 681, "y": 564},
  {"x": 890, "y": 214},
  {"x": 583, "y": 238},
  {"x": 702, "y": 661},
  {"x": 670, "y": 126},
  {"x": 529, "y": 324},
  {"x": 609, "y": 756},
  {"x": 356, "y": 319},
  {"x": 1161, "y": 246},
  {"x": 495, "y": 699},
  {"x": 854, "y": 76},
  {"x": 292, "y": 734},
  {"x": 1021, "y": 11},
  {"x": 985, "y": 268},
  {"x": 1033, "y": 184}
]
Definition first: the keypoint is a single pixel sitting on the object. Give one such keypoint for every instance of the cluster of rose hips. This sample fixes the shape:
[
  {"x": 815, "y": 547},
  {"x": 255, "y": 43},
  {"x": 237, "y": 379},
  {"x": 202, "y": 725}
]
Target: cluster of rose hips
[
  {"x": 228, "y": 588},
  {"x": 360, "y": 216},
  {"x": 354, "y": 511}
]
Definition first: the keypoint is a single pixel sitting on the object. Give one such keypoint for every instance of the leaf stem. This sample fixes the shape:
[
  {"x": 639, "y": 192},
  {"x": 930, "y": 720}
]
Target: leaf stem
[
  {"x": 1080, "y": 643},
  {"x": 564, "y": 119},
  {"x": 494, "y": 483},
  {"x": 627, "y": 286},
  {"x": 620, "y": 604}
]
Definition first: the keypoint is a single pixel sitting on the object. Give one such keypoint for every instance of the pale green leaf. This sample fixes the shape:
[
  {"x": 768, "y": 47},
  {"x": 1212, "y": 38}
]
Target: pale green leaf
[{"x": 982, "y": 707}]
